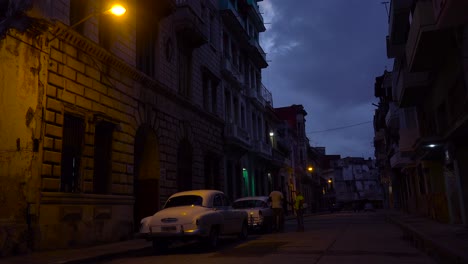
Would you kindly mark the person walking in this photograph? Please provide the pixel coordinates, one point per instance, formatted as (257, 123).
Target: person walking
(299, 208)
(276, 198)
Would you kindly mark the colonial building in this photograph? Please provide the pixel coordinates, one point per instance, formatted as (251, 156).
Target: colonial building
(295, 173)
(426, 117)
(356, 182)
(107, 116)
(248, 146)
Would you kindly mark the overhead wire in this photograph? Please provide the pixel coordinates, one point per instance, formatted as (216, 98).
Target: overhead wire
(338, 128)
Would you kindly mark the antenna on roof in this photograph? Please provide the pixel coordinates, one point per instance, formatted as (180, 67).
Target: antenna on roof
(386, 7)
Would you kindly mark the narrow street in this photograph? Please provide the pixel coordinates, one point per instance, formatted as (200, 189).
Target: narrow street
(343, 237)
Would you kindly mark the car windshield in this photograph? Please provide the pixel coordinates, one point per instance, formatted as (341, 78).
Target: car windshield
(247, 204)
(184, 200)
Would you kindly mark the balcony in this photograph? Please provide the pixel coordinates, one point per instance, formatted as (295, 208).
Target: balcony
(379, 135)
(450, 13)
(425, 43)
(398, 27)
(267, 96)
(231, 72)
(409, 87)
(233, 19)
(392, 118)
(188, 25)
(261, 97)
(263, 148)
(237, 135)
(257, 54)
(254, 12)
(400, 160)
(408, 138)
(161, 8)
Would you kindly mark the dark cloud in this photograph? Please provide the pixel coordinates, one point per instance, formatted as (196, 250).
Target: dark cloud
(325, 54)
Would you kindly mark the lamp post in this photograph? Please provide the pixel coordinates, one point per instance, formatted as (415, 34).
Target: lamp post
(115, 9)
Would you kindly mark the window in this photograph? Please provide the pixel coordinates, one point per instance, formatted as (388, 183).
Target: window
(212, 34)
(102, 180)
(206, 92)
(72, 144)
(236, 110)
(242, 116)
(214, 97)
(184, 72)
(78, 11)
(210, 93)
(146, 40)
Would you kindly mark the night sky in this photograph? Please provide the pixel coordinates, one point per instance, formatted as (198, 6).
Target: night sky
(325, 55)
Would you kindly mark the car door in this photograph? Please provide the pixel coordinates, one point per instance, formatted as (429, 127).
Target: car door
(218, 205)
(235, 216)
(221, 203)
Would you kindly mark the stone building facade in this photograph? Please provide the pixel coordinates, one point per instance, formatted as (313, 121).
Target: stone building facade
(104, 117)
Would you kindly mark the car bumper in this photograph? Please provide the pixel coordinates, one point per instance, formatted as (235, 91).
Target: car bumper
(179, 233)
(255, 222)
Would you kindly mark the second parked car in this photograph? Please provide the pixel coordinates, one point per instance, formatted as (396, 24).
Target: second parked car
(259, 212)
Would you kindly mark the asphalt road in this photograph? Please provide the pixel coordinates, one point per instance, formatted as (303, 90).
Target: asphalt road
(342, 237)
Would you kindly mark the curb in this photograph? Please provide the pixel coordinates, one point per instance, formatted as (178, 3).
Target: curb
(103, 257)
(441, 253)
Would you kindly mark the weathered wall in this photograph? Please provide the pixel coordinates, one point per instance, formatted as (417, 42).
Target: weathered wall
(20, 104)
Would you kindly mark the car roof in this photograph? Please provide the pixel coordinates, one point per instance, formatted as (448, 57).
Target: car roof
(202, 193)
(262, 198)
(207, 195)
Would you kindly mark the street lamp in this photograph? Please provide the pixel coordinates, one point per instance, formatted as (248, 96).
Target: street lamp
(115, 9)
(310, 168)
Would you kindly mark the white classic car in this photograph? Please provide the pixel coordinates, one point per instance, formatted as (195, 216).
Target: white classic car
(259, 211)
(198, 214)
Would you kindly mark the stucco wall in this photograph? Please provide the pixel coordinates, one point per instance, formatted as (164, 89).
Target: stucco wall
(20, 104)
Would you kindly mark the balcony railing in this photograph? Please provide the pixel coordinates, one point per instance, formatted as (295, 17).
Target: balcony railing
(267, 97)
(262, 96)
(233, 17)
(409, 86)
(254, 43)
(262, 147)
(188, 23)
(400, 160)
(408, 137)
(255, 13)
(237, 132)
(391, 119)
(423, 23)
(450, 13)
(232, 71)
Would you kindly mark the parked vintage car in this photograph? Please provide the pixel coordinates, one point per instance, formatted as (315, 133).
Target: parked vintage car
(259, 211)
(194, 215)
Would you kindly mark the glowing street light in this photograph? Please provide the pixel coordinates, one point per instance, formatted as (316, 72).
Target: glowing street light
(310, 168)
(117, 10)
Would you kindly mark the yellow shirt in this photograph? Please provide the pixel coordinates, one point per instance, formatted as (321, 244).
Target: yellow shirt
(299, 202)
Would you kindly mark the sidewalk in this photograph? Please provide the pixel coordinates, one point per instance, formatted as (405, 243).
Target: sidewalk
(447, 243)
(444, 242)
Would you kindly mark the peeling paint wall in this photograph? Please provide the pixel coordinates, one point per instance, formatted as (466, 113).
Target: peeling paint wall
(20, 105)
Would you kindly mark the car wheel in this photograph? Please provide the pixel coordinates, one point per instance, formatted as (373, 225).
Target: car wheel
(213, 238)
(160, 246)
(244, 231)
